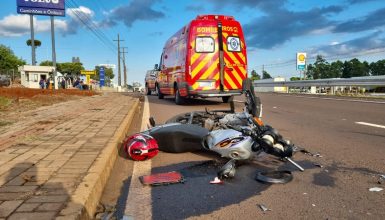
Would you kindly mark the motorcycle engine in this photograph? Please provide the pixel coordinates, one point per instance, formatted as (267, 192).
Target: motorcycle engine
(229, 143)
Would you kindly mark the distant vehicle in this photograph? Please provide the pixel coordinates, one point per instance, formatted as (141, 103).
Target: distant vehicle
(4, 80)
(150, 80)
(206, 58)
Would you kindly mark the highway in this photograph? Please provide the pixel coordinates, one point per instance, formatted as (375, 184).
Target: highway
(349, 134)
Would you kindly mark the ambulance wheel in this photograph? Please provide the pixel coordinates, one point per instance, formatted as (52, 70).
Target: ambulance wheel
(226, 99)
(179, 100)
(160, 95)
(148, 91)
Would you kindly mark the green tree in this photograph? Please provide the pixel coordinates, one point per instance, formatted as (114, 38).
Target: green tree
(355, 68)
(347, 70)
(336, 69)
(377, 68)
(8, 59)
(46, 63)
(70, 68)
(309, 71)
(358, 68)
(108, 74)
(255, 75)
(321, 68)
(295, 78)
(265, 75)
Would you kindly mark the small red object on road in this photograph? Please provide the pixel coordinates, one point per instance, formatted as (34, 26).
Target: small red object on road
(162, 179)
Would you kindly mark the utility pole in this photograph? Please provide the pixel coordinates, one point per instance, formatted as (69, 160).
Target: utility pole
(263, 70)
(55, 81)
(124, 66)
(32, 40)
(119, 73)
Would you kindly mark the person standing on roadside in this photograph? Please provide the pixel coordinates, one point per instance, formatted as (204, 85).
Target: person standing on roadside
(42, 83)
(48, 84)
(63, 83)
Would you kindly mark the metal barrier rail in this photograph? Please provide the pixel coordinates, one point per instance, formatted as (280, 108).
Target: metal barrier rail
(356, 81)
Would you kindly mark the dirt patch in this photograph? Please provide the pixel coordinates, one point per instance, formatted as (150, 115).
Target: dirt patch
(14, 101)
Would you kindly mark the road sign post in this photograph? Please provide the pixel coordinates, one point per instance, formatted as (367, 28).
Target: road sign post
(101, 76)
(301, 63)
(49, 8)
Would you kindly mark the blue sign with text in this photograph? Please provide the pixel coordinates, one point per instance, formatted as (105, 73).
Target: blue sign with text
(41, 7)
(101, 76)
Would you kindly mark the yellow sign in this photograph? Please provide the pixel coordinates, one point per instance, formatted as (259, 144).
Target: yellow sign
(87, 72)
(87, 79)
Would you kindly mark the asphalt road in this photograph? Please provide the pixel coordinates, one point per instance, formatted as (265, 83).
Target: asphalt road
(347, 133)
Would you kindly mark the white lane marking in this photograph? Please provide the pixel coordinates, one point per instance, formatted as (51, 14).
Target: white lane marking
(337, 99)
(239, 101)
(138, 204)
(370, 124)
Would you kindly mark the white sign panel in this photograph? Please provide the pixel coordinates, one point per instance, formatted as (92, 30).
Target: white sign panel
(301, 61)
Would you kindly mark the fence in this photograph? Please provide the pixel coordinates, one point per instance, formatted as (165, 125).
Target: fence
(10, 73)
(360, 82)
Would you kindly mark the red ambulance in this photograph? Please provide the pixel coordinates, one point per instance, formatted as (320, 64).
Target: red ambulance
(206, 58)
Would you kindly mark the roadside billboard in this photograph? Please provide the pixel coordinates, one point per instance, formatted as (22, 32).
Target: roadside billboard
(301, 61)
(41, 7)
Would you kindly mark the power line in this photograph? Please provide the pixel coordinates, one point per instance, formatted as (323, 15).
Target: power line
(99, 34)
(336, 57)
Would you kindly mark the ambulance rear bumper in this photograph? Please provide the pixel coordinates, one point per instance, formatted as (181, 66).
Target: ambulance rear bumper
(216, 93)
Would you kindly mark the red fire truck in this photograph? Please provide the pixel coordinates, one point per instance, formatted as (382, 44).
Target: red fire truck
(206, 58)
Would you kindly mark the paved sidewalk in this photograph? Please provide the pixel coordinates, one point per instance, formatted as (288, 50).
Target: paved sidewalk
(55, 162)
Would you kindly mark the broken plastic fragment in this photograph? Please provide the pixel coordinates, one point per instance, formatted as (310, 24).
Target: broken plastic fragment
(216, 181)
(318, 165)
(376, 189)
(264, 208)
(162, 178)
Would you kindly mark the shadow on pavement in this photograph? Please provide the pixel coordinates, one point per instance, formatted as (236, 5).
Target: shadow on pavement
(188, 102)
(197, 196)
(37, 196)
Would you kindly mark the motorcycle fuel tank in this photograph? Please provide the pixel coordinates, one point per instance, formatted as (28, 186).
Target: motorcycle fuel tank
(229, 143)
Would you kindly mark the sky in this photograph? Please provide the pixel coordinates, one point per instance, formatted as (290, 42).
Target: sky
(275, 30)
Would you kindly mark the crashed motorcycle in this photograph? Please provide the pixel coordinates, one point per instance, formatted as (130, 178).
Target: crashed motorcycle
(234, 135)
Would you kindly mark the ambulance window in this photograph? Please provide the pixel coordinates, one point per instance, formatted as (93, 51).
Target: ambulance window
(204, 45)
(233, 44)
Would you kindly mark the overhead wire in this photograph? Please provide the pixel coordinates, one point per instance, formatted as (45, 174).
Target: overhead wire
(100, 6)
(331, 58)
(90, 25)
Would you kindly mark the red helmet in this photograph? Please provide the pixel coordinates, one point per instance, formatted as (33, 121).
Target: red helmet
(141, 147)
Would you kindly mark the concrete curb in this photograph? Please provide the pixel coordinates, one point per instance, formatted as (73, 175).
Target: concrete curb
(85, 199)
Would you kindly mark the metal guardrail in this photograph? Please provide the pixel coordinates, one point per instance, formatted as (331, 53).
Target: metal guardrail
(356, 81)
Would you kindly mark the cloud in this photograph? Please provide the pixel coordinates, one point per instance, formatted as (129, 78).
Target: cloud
(195, 8)
(156, 34)
(19, 25)
(281, 25)
(369, 22)
(371, 42)
(260, 4)
(137, 10)
(360, 1)
(79, 17)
